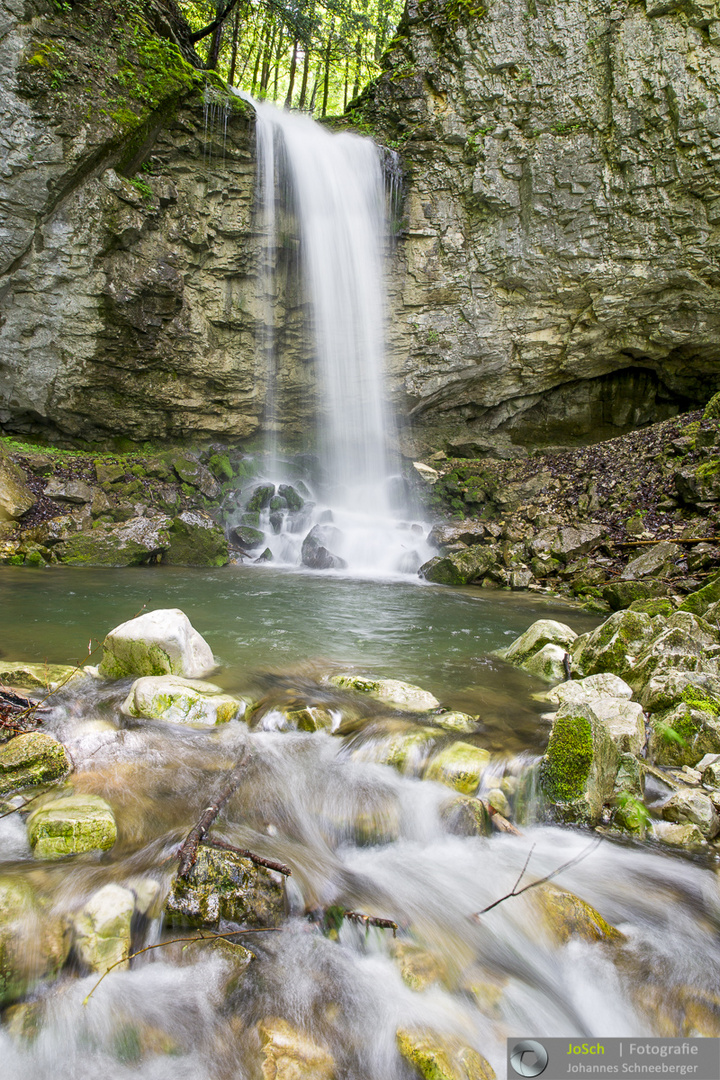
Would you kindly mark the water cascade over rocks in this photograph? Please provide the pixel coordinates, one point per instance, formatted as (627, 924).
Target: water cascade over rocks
(353, 513)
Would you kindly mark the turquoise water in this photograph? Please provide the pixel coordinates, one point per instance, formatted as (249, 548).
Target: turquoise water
(260, 621)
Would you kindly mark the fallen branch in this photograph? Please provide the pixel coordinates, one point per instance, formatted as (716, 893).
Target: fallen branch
(188, 851)
(499, 822)
(662, 539)
(541, 881)
(372, 920)
(174, 941)
(279, 867)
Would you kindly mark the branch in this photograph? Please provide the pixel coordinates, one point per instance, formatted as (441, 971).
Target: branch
(541, 881)
(371, 920)
(212, 27)
(279, 867)
(188, 851)
(173, 941)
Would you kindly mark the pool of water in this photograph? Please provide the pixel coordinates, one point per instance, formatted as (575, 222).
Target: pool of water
(262, 621)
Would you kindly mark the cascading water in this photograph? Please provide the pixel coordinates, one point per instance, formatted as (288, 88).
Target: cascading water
(356, 509)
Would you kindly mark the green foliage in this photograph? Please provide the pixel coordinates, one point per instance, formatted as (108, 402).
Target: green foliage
(143, 187)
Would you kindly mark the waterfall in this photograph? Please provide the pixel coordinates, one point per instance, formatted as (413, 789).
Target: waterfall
(335, 186)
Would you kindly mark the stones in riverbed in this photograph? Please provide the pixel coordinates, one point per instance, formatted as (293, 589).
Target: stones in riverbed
(196, 540)
(442, 1057)
(541, 649)
(316, 552)
(31, 759)
(132, 543)
(35, 676)
(180, 701)
(566, 916)
(161, 642)
(102, 928)
(687, 807)
(16, 498)
(71, 825)
(292, 1055)
(577, 772)
(459, 765)
(466, 816)
(608, 696)
(33, 944)
(401, 694)
(222, 885)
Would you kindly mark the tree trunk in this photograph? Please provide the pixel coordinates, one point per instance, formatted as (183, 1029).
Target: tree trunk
(269, 49)
(233, 54)
(278, 54)
(306, 71)
(314, 91)
(326, 83)
(358, 62)
(215, 42)
(293, 67)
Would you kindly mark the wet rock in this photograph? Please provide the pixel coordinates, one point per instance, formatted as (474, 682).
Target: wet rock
(316, 551)
(196, 540)
(180, 701)
(109, 472)
(161, 642)
(222, 885)
(403, 695)
(689, 807)
(31, 759)
(441, 571)
(614, 645)
(677, 835)
(310, 718)
(670, 688)
(265, 556)
(569, 543)
(460, 766)
(16, 497)
(192, 472)
(603, 685)
(459, 722)
(130, 543)
(466, 816)
(419, 967)
(672, 649)
(71, 825)
(405, 751)
(261, 496)
(566, 916)
(541, 633)
(577, 772)
(657, 561)
(289, 1054)
(548, 664)
(76, 492)
(623, 594)
(468, 533)
(683, 735)
(33, 944)
(426, 472)
(442, 1057)
(292, 498)
(35, 676)
(102, 928)
(247, 538)
(698, 602)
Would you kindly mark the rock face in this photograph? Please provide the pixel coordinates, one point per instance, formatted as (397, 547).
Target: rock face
(563, 198)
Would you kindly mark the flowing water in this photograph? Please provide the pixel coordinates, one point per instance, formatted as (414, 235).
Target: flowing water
(333, 187)
(354, 832)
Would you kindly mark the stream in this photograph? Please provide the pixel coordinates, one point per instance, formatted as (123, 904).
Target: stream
(354, 832)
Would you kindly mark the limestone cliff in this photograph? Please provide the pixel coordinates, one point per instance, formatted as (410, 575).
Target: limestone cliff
(559, 270)
(127, 285)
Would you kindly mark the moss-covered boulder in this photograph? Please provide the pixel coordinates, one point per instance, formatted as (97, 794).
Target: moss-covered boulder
(418, 966)
(536, 637)
(102, 928)
(669, 688)
(289, 1054)
(247, 537)
(222, 885)
(35, 676)
(33, 943)
(180, 701)
(311, 718)
(261, 496)
(614, 645)
(594, 686)
(466, 816)
(672, 649)
(130, 543)
(689, 806)
(192, 472)
(441, 1057)
(460, 766)
(460, 722)
(401, 694)
(547, 664)
(566, 916)
(684, 734)
(622, 594)
(31, 759)
(577, 772)
(698, 602)
(196, 540)
(441, 570)
(71, 825)
(161, 642)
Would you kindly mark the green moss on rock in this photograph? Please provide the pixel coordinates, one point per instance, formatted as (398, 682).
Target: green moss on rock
(70, 826)
(225, 886)
(31, 759)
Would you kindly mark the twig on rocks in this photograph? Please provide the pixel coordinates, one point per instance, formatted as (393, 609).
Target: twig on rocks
(541, 881)
(188, 850)
(499, 822)
(174, 941)
(279, 867)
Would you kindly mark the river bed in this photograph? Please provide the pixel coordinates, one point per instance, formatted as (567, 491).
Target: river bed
(355, 833)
